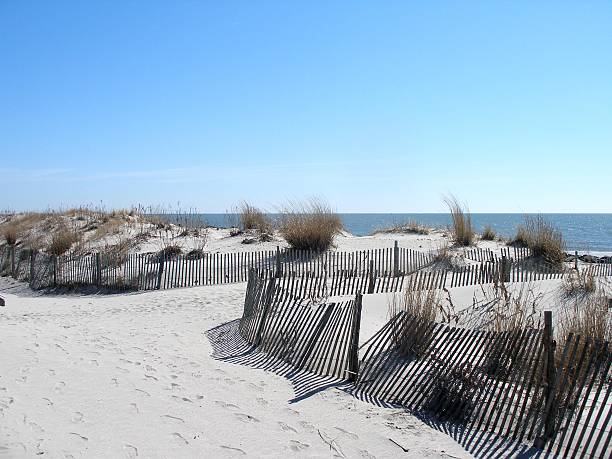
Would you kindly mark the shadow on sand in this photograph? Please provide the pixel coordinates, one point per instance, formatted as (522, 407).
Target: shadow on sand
(229, 346)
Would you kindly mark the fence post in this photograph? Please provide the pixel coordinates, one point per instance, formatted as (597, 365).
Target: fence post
(160, 271)
(576, 260)
(505, 269)
(353, 362)
(279, 266)
(98, 270)
(13, 261)
(550, 372)
(395, 259)
(371, 278)
(54, 262)
(32, 259)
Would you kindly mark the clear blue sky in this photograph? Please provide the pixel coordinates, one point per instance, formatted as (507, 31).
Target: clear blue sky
(378, 106)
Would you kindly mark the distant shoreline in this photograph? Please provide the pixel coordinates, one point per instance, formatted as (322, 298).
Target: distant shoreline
(585, 232)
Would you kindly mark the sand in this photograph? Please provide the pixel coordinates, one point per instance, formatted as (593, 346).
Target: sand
(131, 375)
(128, 375)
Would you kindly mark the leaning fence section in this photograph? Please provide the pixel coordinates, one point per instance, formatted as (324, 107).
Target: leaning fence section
(512, 383)
(517, 384)
(580, 410)
(474, 377)
(311, 336)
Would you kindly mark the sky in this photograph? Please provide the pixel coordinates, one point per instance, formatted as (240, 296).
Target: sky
(375, 106)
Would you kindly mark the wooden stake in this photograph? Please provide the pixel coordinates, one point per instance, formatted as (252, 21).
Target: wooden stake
(354, 342)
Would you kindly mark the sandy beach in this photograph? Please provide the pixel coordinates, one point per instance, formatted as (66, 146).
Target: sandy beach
(132, 375)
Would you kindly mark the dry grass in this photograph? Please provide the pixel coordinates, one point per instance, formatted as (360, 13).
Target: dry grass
(498, 309)
(463, 234)
(169, 252)
(514, 310)
(61, 241)
(544, 240)
(448, 260)
(488, 234)
(11, 233)
(309, 225)
(589, 318)
(579, 283)
(422, 308)
(253, 218)
(424, 304)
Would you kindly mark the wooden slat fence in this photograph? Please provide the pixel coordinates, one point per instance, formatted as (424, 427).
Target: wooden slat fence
(581, 408)
(344, 273)
(496, 382)
(474, 377)
(309, 336)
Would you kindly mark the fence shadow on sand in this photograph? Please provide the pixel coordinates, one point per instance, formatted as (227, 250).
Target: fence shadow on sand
(229, 346)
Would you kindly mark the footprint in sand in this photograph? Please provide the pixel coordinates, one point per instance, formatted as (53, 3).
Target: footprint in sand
(286, 427)
(36, 428)
(59, 387)
(246, 417)
(236, 450)
(77, 435)
(77, 417)
(348, 434)
(130, 451)
(297, 446)
(307, 426)
(228, 406)
(172, 418)
(115, 382)
(6, 401)
(177, 436)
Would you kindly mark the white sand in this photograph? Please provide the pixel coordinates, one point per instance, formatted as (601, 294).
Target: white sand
(116, 376)
(120, 375)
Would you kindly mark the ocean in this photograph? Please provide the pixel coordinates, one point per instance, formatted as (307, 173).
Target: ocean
(583, 232)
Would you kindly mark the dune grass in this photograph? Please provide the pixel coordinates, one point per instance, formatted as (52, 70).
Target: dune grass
(579, 283)
(463, 233)
(542, 237)
(589, 318)
(309, 225)
(253, 218)
(10, 234)
(61, 241)
(424, 304)
(488, 234)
